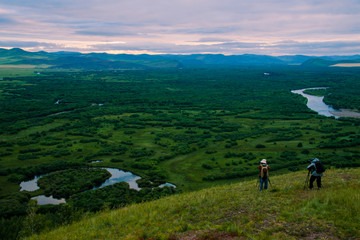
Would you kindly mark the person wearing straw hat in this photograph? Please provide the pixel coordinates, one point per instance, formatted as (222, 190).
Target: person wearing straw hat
(263, 174)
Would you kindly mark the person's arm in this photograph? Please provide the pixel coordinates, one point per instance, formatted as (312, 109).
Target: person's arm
(312, 165)
(259, 170)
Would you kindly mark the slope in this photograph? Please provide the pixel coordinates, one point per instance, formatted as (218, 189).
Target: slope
(319, 62)
(236, 211)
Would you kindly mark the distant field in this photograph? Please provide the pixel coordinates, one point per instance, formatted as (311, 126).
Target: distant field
(12, 71)
(26, 66)
(23, 70)
(346, 65)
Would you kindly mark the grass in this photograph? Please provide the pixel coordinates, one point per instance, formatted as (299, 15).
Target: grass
(235, 211)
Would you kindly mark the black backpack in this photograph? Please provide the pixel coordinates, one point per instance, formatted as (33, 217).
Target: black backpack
(320, 168)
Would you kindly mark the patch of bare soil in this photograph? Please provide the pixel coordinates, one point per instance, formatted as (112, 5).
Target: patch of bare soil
(204, 235)
(345, 176)
(319, 236)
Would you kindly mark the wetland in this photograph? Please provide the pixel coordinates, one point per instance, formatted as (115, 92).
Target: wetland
(191, 127)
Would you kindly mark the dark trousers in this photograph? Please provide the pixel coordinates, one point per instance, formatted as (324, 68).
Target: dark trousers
(318, 181)
(263, 181)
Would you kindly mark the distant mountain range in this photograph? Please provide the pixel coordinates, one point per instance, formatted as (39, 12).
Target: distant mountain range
(102, 61)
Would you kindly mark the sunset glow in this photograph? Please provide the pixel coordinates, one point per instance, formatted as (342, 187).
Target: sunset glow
(272, 27)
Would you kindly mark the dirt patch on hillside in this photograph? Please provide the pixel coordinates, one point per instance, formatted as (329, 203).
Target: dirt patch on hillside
(319, 236)
(204, 235)
(346, 177)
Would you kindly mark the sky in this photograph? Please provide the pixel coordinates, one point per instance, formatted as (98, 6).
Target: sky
(230, 27)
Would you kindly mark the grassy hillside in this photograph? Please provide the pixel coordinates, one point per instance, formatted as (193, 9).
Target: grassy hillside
(236, 211)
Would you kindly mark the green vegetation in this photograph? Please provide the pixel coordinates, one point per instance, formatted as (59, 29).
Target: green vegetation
(285, 211)
(63, 184)
(316, 92)
(115, 196)
(193, 127)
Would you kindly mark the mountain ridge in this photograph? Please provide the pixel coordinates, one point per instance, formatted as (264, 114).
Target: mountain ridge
(98, 61)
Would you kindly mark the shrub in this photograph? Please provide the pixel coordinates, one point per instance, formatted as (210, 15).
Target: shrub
(206, 166)
(116, 160)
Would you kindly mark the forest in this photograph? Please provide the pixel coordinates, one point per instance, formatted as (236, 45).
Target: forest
(192, 127)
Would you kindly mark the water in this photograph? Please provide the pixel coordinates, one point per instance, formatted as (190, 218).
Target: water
(316, 103)
(117, 176)
(42, 200)
(30, 185)
(167, 185)
(96, 161)
(120, 176)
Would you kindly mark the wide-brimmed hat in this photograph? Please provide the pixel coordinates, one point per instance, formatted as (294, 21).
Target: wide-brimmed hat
(263, 161)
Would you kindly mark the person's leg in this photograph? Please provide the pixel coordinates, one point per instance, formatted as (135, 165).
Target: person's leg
(266, 183)
(312, 179)
(261, 183)
(318, 182)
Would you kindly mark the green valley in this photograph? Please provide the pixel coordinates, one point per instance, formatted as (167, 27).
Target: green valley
(194, 127)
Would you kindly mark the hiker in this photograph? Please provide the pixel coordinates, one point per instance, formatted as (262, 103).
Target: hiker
(263, 174)
(316, 168)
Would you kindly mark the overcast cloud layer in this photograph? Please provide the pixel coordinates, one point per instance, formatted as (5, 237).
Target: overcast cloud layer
(272, 27)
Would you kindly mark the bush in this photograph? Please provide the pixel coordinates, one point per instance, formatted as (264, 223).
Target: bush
(14, 204)
(305, 151)
(116, 160)
(260, 146)
(206, 166)
(67, 182)
(141, 153)
(141, 165)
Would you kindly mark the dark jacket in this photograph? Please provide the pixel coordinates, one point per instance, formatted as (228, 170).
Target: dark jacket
(312, 168)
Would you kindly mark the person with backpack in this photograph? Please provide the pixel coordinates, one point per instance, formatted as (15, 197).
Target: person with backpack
(316, 168)
(263, 174)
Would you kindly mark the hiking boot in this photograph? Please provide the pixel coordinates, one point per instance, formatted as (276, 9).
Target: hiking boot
(310, 189)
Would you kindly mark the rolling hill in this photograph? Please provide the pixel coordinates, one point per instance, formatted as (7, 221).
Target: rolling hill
(104, 61)
(235, 211)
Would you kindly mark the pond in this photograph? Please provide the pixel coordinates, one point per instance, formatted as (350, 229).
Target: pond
(117, 176)
(317, 104)
(42, 200)
(30, 185)
(120, 176)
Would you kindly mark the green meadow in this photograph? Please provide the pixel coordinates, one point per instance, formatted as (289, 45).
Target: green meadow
(194, 127)
(234, 211)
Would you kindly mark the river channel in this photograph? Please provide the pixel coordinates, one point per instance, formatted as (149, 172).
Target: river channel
(117, 176)
(317, 104)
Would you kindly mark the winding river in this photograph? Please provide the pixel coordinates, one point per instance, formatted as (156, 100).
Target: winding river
(316, 103)
(117, 176)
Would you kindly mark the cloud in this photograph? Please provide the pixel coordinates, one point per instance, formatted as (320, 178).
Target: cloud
(104, 33)
(213, 39)
(5, 20)
(185, 26)
(27, 45)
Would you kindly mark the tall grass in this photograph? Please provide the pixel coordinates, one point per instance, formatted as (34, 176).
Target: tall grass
(285, 211)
